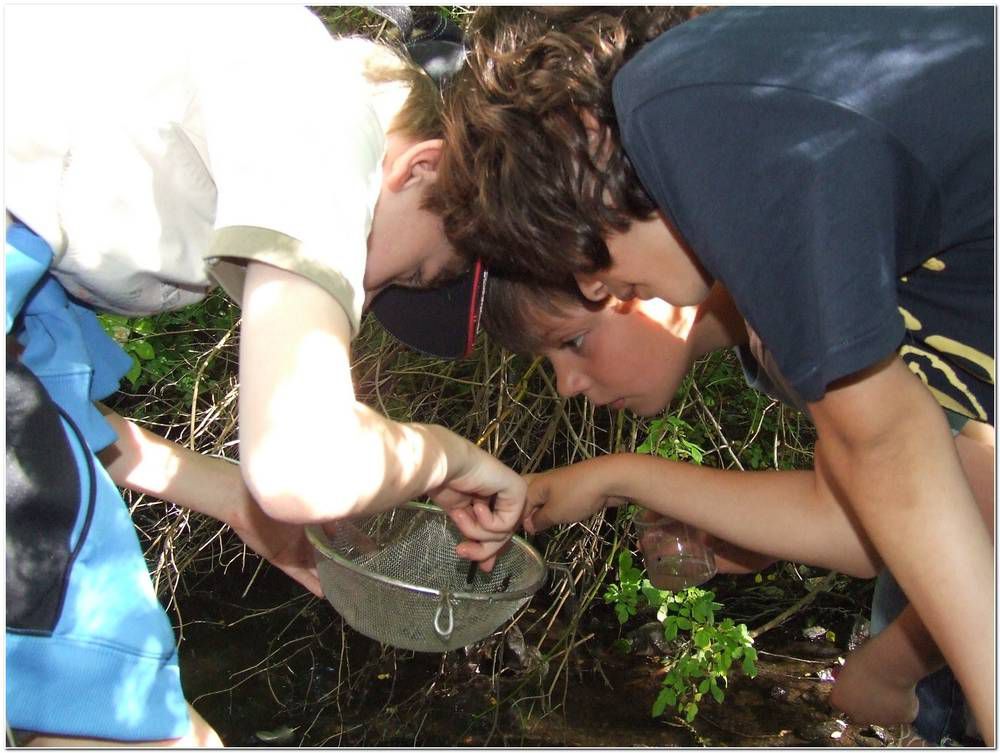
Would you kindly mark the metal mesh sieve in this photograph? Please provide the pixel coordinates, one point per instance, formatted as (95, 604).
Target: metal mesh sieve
(395, 577)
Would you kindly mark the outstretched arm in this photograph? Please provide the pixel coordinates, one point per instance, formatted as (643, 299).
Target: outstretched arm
(310, 452)
(148, 463)
(788, 515)
(887, 451)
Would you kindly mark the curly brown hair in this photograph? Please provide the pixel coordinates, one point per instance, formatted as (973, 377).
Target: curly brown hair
(523, 182)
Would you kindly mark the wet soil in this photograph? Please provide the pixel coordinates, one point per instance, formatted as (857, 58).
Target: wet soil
(275, 666)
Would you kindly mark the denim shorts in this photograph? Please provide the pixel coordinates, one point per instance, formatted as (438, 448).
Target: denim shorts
(90, 651)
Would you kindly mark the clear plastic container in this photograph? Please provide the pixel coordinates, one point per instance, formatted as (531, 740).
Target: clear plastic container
(675, 558)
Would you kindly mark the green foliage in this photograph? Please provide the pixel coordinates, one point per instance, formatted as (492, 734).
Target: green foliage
(671, 437)
(166, 346)
(624, 595)
(703, 651)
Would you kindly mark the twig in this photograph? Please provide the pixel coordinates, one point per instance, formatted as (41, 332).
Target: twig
(797, 606)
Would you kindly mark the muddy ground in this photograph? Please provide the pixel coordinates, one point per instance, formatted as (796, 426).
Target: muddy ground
(275, 666)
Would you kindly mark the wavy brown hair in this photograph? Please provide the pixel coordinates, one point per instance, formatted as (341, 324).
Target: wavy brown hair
(513, 305)
(523, 183)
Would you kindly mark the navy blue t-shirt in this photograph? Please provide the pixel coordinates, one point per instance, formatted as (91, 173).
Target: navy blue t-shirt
(833, 167)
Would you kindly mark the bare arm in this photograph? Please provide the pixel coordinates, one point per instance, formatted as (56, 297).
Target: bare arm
(788, 515)
(147, 463)
(887, 451)
(311, 452)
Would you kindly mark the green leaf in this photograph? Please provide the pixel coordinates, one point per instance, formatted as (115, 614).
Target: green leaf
(695, 451)
(142, 349)
(670, 695)
(717, 693)
(132, 375)
(625, 561)
(622, 646)
(670, 628)
(653, 595)
(144, 326)
(664, 698)
(692, 711)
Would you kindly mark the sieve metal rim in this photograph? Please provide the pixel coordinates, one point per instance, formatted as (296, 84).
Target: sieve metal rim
(318, 538)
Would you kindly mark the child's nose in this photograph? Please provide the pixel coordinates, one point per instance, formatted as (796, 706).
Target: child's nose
(570, 382)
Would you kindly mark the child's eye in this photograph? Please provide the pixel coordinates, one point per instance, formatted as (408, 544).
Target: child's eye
(575, 344)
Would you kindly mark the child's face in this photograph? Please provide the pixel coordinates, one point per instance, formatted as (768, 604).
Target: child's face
(629, 354)
(408, 248)
(649, 261)
(407, 245)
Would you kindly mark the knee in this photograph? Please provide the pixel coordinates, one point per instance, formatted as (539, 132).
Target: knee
(202, 734)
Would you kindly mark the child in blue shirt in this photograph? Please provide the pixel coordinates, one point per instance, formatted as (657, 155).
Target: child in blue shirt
(634, 354)
(831, 167)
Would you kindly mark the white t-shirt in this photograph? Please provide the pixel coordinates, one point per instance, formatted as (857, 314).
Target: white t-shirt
(155, 147)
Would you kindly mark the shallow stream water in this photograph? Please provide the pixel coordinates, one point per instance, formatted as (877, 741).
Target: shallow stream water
(278, 667)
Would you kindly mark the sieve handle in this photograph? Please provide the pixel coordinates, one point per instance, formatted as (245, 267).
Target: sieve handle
(445, 603)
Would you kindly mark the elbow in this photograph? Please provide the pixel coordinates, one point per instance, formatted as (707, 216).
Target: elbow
(311, 487)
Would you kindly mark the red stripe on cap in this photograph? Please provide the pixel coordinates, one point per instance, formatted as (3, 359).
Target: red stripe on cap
(474, 307)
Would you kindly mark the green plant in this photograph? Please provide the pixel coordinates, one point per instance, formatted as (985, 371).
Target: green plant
(167, 345)
(709, 651)
(671, 437)
(702, 651)
(624, 595)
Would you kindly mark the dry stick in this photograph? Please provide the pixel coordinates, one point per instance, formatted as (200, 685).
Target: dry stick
(519, 389)
(205, 361)
(523, 418)
(760, 424)
(776, 441)
(571, 631)
(168, 535)
(550, 432)
(703, 409)
(797, 606)
(576, 437)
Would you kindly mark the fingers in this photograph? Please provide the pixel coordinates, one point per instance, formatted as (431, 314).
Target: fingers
(485, 553)
(467, 522)
(496, 518)
(310, 580)
(502, 514)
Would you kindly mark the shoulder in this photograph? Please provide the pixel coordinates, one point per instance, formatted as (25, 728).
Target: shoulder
(836, 53)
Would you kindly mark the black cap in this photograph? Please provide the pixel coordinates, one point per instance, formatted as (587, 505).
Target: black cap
(441, 321)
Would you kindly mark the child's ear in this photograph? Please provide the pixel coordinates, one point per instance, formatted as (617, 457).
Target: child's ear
(592, 288)
(415, 164)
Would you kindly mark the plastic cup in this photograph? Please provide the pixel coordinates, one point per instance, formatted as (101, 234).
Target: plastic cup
(675, 558)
